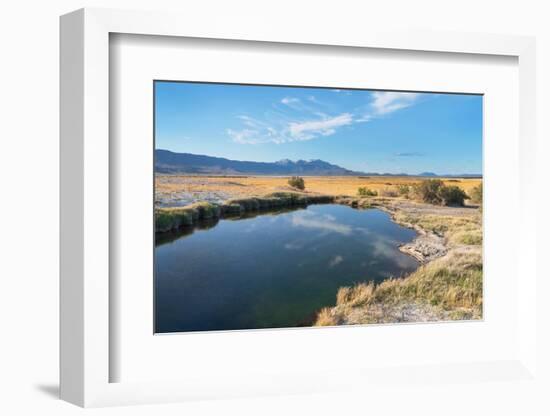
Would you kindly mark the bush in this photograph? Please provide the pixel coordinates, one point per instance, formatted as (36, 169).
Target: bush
(297, 182)
(476, 194)
(429, 191)
(453, 195)
(434, 191)
(364, 191)
(403, 190)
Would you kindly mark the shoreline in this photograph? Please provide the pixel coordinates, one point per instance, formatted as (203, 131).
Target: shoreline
(425, 247)
(447, 285)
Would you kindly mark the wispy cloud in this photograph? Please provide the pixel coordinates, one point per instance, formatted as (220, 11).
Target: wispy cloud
(388, 102)
(290, 101)
(308, 220)
(295, 119)
(296, 104)
(284, 131)
(409, 154)
(307, 130)
(245, 136)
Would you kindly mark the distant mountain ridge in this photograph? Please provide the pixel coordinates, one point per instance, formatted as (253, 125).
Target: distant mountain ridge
(170, 162)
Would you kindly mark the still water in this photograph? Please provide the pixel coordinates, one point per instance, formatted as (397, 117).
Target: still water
(272, 270)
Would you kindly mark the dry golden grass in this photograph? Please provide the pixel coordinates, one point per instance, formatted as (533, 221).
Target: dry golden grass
(239, 187)
(448, 288)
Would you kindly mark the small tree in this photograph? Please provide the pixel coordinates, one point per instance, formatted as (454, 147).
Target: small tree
(453, 195)
(364, 191)
(297, 182)
(429, 190)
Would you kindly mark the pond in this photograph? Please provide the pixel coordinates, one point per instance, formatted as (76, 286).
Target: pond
(272, 270)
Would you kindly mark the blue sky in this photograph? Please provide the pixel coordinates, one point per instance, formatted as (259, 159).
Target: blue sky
(369, 131)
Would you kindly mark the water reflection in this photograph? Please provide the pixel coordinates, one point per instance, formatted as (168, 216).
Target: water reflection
(271, 270)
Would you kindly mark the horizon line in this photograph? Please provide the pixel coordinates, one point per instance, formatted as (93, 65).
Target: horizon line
(426, 173)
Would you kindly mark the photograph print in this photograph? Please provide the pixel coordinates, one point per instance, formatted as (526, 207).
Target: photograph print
(285, 207)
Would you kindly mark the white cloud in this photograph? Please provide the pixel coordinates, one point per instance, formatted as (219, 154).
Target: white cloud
(307, 120)
(335, 261)
(320, 224)
(306, 130)
(283, 131)
(388, 102)
(290, 101)
(364, 119)
(245, 136)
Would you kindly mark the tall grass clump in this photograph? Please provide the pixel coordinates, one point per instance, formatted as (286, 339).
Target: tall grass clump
(450, 287)
(297, 182)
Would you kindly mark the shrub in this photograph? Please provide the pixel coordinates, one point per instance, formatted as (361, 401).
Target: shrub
(434, 191)
(429, 190)
(364, 191)
(453, 195)
(403, 190)
(476, 194)
(297, 182)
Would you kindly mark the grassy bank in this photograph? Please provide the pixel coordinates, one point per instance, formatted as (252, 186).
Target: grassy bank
(447, 288)
(168, 219)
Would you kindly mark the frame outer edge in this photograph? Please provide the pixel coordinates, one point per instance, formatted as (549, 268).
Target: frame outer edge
(71, 202)
(528, 199)
(84, 152)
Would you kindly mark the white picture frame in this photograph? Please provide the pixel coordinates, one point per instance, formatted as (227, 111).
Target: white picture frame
(86, 356)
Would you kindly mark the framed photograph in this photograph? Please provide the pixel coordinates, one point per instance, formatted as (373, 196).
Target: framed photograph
(246, 213)
(355, 222)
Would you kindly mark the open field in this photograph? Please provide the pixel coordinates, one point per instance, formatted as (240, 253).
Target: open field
(179, 190)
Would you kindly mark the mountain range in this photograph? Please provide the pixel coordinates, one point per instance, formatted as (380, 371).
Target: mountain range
(188, 163)
(170, 162)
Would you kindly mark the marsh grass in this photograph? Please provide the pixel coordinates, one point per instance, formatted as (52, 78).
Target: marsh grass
(168, 219)
(450, 288)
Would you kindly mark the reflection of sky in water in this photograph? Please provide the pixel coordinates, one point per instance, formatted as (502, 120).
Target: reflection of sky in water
(310, 219)
(273, 270)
